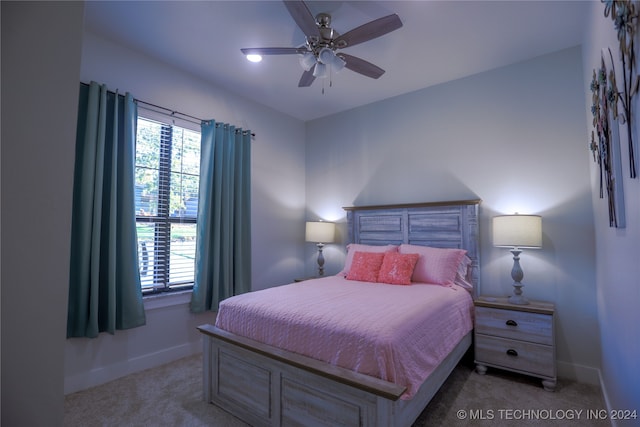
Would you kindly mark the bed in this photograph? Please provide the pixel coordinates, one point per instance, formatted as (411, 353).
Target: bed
(262, 364)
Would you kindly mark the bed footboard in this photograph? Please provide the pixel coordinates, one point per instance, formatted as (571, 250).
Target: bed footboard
(267, 386)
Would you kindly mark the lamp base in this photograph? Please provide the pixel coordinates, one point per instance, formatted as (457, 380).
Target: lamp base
(320, 259)
(517, 297)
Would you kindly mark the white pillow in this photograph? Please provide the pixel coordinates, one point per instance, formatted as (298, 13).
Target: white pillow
(463, 275)
(436, 265)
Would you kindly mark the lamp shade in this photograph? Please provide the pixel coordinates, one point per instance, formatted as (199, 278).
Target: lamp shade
(519, 231)
(338, 63)
(326, 55)
(320, 232)
(307, 60)
(320, 71)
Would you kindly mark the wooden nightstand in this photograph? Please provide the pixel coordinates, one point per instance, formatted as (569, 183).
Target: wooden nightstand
(302, 279)
(518, 338)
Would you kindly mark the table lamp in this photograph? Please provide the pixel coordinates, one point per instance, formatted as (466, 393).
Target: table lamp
(320, 232)
(517, 232)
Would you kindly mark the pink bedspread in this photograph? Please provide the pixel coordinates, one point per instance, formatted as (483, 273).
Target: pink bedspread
(393, 332)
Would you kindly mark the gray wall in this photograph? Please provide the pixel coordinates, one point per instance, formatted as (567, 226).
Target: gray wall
(618, 252)
(513, 137)
(40, 69)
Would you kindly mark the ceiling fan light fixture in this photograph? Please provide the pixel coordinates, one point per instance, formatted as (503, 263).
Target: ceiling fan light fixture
(326, 56)
(254, 57)
(320, 71)
(338, 63)
(307, 60)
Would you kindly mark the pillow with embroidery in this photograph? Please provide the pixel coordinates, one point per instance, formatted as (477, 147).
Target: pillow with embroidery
(365, 266)
(397, 268)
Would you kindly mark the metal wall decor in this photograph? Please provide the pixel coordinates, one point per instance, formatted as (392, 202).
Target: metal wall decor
(625, 18)
(605, 141)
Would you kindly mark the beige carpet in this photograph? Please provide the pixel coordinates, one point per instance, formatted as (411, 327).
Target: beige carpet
(170, 395)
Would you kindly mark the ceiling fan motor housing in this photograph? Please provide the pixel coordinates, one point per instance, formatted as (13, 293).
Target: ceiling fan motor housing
(327, 36)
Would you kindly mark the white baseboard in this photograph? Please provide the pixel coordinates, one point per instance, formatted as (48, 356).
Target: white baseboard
(607, 402)
(105, 374)
(579, 373)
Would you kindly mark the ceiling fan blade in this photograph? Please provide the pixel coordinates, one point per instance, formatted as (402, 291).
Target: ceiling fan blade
(361, 66)
(369, 31)
(303, 17)
(307, 78)
(273, 50)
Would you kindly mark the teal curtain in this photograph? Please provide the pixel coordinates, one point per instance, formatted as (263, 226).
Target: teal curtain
(104, 284)
(223, 237)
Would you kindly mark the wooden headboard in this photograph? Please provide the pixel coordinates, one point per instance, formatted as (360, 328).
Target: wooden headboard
(440, 224)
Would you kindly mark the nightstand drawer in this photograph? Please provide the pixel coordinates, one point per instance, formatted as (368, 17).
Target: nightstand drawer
(534, 327)
(519, 355)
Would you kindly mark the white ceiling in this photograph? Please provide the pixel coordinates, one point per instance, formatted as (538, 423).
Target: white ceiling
(439, 41)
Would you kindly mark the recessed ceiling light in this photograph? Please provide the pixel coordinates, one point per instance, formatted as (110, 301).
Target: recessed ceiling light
(254, 58)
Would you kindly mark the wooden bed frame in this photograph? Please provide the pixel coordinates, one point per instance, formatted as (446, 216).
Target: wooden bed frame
(267, 386)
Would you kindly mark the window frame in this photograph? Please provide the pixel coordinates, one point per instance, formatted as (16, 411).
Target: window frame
(163, 220)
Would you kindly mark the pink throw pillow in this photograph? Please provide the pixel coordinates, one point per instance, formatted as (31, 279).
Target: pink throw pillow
(352, 248)
(397, 268)
(436, 265)
(365, 266)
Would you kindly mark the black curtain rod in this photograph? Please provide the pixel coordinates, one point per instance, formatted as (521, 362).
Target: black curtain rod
(173, 112)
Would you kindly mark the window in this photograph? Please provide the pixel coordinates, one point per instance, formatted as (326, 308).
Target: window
(166, 200)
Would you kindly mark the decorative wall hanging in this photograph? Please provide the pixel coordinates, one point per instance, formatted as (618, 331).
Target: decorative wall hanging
(614, 136)
(605, 141)
(625, 19)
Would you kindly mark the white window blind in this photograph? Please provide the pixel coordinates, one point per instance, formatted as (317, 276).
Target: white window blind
(166, 200)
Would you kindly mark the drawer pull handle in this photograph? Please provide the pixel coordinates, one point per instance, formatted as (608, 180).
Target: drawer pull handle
(512, 323)
(512, 352)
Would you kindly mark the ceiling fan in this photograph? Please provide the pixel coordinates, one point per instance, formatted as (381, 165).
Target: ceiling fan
(323, 42)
